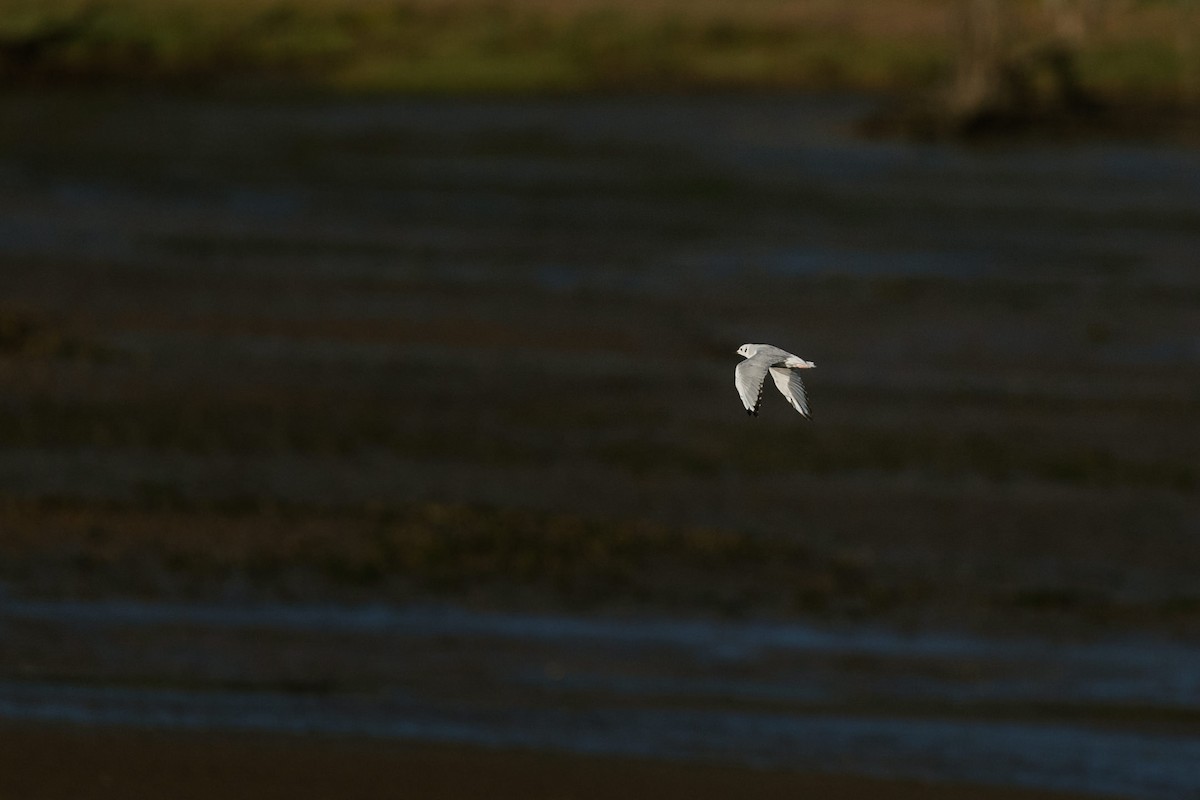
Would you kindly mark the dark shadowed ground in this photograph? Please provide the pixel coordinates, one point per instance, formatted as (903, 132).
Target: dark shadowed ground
(414, 420)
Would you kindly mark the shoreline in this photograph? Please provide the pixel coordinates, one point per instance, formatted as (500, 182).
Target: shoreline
(43, 762)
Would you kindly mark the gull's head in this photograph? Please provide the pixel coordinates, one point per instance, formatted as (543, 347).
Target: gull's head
(747, 350)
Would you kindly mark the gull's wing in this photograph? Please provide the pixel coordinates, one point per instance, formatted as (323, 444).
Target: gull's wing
(750, 376)
(791, 387)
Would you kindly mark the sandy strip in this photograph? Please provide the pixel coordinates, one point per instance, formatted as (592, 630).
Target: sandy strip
(40, 762)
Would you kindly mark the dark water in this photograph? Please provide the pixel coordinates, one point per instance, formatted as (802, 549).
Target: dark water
(534, 304)
(866, 701)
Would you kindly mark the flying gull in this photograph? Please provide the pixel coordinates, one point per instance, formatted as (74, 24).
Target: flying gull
(751, 376)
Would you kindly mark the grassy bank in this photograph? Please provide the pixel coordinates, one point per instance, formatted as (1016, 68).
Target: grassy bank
(452, 46)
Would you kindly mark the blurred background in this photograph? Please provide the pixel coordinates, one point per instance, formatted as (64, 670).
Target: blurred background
(367, 415)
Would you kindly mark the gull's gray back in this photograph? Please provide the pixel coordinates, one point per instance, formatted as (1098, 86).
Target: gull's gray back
(771, 354)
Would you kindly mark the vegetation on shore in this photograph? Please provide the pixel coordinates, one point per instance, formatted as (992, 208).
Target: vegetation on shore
(1145, 50)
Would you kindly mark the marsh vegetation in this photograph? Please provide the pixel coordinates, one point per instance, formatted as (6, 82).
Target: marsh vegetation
(1129, 51)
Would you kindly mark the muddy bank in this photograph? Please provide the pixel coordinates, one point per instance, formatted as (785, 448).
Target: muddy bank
(188, 765)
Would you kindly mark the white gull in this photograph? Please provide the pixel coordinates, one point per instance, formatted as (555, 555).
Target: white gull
(751, 376)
